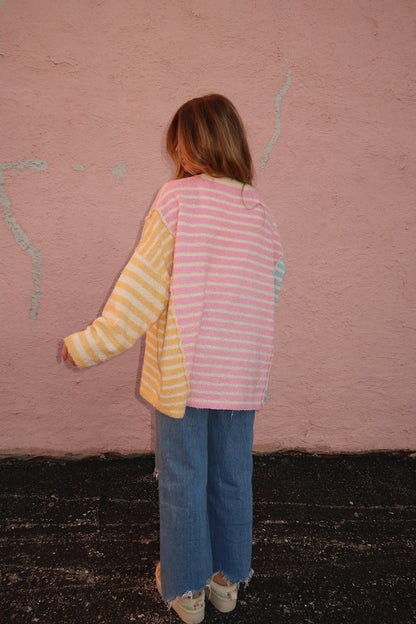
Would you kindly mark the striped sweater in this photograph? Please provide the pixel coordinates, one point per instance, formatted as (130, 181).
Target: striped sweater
(203, 283)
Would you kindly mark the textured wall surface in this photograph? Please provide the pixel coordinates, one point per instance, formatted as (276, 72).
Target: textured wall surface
(328, 94)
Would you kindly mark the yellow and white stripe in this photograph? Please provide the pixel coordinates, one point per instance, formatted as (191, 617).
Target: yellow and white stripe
(140, 303)
(164, 382)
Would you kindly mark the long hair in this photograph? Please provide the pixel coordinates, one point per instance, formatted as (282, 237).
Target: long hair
(210, 136)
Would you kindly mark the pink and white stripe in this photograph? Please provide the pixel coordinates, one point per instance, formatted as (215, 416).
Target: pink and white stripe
(222, 287)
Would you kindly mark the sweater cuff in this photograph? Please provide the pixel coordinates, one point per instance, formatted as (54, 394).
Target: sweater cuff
(74, 353)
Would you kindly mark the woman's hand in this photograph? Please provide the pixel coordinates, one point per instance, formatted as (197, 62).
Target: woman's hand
(65, 355)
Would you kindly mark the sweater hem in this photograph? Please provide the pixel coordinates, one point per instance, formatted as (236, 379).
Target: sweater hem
(224, 406)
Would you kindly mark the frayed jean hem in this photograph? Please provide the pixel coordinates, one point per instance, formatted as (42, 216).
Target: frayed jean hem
(187, 595)
(245, 581)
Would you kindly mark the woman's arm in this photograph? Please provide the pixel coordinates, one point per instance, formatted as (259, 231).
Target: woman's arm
(139, 297)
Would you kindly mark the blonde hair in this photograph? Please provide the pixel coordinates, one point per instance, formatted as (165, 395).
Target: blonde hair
(210, 135)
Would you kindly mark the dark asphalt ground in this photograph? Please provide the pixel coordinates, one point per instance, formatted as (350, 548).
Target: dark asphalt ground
(334, 542)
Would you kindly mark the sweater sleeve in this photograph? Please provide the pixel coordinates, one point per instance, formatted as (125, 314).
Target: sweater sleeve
(139, 297)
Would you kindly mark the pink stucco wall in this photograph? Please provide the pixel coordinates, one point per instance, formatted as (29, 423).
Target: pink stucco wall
(87, 89)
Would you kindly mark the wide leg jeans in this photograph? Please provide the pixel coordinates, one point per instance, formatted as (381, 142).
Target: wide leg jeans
(204, 466)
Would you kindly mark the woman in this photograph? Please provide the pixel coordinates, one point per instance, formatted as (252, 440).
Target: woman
(203, 283)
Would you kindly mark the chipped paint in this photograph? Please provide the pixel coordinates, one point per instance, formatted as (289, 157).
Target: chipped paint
(18, 233)
(80, 167)
(276, 134)
(119, 171)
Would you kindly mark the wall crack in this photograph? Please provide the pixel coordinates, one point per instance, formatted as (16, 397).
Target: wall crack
(17, 231)
(278, 123)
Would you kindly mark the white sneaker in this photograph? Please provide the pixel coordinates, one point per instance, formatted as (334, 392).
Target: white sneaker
(223, 597)
(190, 610)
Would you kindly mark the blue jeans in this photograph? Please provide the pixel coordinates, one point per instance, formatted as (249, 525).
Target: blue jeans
(204, 467)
